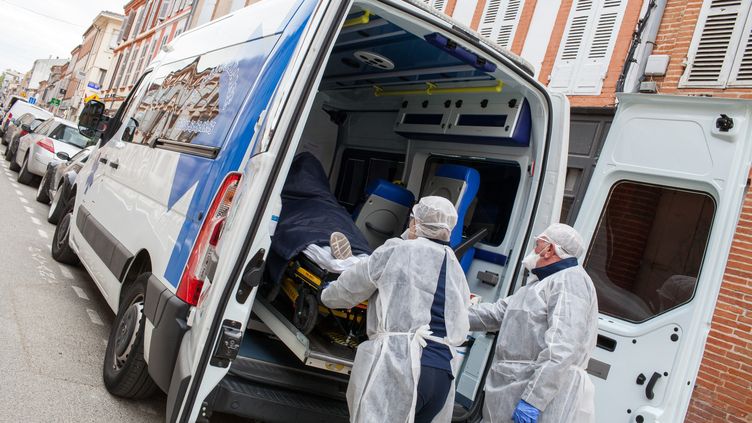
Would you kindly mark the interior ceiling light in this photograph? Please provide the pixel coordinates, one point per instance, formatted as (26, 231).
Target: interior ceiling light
(373, 59)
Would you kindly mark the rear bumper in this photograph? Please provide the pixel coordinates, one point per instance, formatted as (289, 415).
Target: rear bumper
(266, 382)
(39, 161)
(238, 396)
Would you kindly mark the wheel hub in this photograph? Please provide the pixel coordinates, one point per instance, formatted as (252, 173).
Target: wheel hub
(127, 332)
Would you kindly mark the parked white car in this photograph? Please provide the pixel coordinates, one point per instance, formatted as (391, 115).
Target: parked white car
(54, 140)
(19, 108)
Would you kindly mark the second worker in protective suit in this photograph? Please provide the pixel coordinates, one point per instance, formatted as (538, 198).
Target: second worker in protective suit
(418, 302)
(547, 330)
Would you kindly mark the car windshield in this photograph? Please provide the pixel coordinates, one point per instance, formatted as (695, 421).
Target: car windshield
(73, 137)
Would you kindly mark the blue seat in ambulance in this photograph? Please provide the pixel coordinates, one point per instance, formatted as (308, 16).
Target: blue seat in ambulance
(385, 211)
(458, 184)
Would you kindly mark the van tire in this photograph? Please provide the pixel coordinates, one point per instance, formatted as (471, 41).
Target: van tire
(59, 203)
(13, 165)
(24, 176)
(127, 374)
(43, 190)
(61, 250)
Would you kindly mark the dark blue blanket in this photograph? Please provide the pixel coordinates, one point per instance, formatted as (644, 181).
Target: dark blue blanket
(310, 213)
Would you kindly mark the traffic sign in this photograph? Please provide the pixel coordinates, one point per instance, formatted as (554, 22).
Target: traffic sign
(94, 86)
(32, 100)
(55, 101)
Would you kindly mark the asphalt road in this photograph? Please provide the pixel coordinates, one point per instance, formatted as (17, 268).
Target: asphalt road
(54, 326)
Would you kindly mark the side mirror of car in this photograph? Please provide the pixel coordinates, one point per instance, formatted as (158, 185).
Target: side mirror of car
(91, 120)
(62, 155)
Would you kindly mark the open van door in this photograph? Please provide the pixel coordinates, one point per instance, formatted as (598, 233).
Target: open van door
(659, 216)
(219, 321)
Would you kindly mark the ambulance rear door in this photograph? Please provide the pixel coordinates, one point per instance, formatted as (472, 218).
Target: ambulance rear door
(659, 216)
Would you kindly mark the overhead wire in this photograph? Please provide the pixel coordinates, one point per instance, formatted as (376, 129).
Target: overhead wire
(42, 14)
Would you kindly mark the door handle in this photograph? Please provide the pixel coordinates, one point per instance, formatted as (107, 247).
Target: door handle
(251, 276)
(114, 165)
(103, 160)
(651, 384)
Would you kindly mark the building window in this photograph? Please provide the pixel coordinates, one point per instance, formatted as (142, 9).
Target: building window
(721, 51)
(439, 5)
(137, 28)
(123, 65)
(499, 21)
(132, 60)
(163, 11)
(586, 47)
(647, 251)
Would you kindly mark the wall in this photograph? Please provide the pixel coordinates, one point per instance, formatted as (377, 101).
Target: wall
(723, 390)
(674, 38)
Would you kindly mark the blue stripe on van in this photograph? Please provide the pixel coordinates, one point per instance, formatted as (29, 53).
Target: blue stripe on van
(192, 169)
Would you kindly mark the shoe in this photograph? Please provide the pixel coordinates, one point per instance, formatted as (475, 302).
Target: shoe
(340, 246)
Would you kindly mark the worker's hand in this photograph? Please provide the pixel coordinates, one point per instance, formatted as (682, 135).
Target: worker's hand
(525, 413)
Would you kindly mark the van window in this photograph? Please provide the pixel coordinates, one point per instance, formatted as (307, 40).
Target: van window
(647, 251)
(496, 194)
(361, 167)
(186, 101)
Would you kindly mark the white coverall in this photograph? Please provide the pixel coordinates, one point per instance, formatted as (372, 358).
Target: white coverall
(399, 281)
(547, 330)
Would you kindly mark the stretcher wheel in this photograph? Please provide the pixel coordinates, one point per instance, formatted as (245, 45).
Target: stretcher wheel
(306, 313)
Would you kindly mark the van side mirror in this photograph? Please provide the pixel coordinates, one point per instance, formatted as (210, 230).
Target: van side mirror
(91, 120)
(62, 155)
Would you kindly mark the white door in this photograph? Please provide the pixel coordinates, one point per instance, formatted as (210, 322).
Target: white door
(659, 216)
(219, 319)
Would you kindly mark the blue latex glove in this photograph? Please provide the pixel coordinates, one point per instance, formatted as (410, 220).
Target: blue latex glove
(525, 413)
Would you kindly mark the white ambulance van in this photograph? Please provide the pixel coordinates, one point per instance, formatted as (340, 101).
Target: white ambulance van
(175, 214)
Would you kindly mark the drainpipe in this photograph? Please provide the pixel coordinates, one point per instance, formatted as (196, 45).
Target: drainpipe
(643, 41)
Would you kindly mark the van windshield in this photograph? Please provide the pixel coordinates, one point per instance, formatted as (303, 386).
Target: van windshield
(70, 135)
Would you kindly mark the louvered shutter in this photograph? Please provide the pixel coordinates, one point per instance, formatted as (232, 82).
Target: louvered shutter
(741, 71)
(500, 19)
(572, 49)
(714, 44)
(597, 55)
(587, 46)
(439, 5)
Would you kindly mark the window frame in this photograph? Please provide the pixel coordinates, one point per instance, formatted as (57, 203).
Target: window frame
(701, 265)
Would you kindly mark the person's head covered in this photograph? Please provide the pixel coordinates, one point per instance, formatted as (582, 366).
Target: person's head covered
(567, 242)
(434, 218)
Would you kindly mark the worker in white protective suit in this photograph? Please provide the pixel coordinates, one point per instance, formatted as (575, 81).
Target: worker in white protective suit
(418, 302)
(547, 331)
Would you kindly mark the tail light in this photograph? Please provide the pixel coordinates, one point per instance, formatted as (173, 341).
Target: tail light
(47, 145)
(203, 258)
(9, 117)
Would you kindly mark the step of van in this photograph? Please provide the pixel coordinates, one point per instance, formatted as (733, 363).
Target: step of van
(239, 396)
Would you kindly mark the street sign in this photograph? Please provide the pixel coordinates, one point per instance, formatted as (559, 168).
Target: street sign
(55, 101)
(94, 86)
(32, 100)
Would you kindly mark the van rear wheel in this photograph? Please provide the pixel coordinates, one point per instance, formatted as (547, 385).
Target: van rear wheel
(125, 372)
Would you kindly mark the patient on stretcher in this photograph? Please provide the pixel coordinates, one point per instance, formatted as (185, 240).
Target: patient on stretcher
(315, 240)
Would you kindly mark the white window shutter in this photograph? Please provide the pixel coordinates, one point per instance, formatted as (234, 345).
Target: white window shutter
(714, 45)
(571, 49)
(439, 5)
(741, 71)
(594, 64)
(500, 19)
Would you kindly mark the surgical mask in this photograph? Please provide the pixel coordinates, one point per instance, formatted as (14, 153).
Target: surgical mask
(531, 260)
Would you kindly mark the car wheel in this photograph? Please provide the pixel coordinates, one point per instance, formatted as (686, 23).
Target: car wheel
(24, 175)
(12, 158)
(59, 203)
(43, 191)
(61, 250)
(125, 372)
